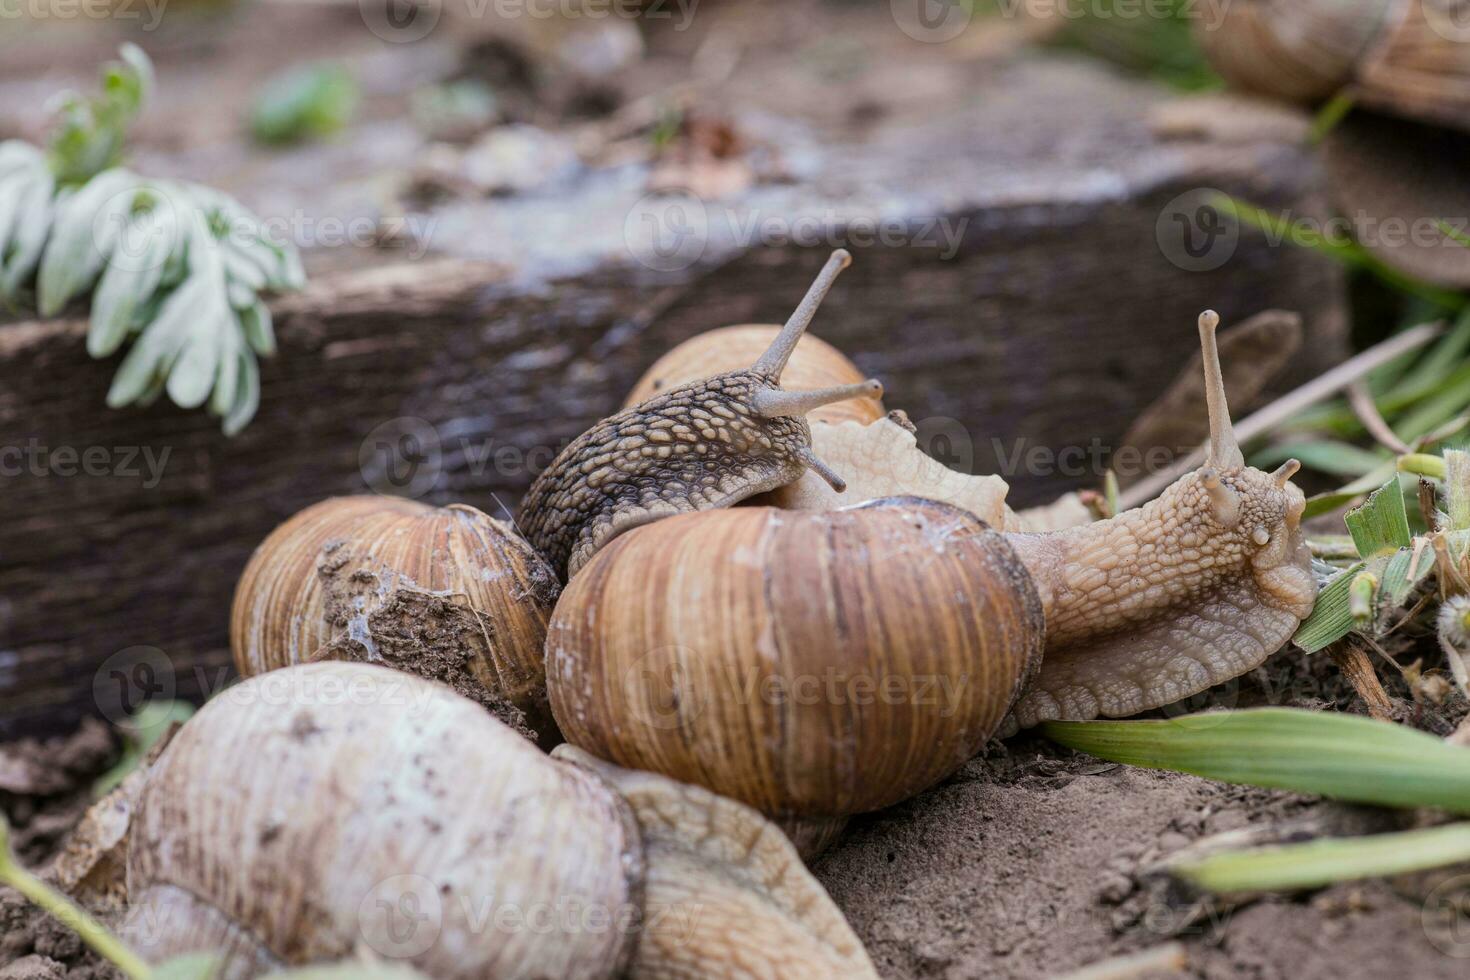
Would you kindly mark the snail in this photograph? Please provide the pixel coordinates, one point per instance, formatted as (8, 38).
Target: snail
(701, 647)
(1394, 166)
(327, 807)
(708, 443)
(445, 592)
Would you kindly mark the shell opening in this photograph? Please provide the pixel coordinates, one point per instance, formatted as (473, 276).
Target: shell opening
(773, 361)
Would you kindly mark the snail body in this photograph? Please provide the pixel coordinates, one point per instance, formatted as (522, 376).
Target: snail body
(446, 592)
(317, 808)
(680, 646)
(706, 444)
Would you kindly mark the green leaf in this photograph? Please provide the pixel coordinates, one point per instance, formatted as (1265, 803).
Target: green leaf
(1454, 234)
(227, 371)
(309, 102)
(190, 966)
(155, 351)
(1449, 401)
(1332, 113)
(1345, 757)
(90, 132)
(1331, 618)
(32, 225)
(1318, 863)
(247, 400)
(1381, 525)
(133, 275)
(86, 228)
(140, 733)
(1457, 488)
(349, 970)
(12, 195)
(19, 156)
(193, 374)
(259, 328)
(1437, 364)
(1326, 455)
(1401, 575)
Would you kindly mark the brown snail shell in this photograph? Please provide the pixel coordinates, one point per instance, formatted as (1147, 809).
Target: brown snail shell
(814, 364)
(448, 593)
(323, 808)
(1406, 57)
(1298, 50)
(812, 664)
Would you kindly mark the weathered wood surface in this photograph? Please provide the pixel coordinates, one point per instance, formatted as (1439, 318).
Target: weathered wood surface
(1054, 322)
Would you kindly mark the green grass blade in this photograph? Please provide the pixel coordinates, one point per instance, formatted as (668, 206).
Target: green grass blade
(1332, 113)
(1317, 863)
(1331, 617)
(1324, 455)
(1398, 583)
(1345, 757)
(1381, 525)
(1457, 487)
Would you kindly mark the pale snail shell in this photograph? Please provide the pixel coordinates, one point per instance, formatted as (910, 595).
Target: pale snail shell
(320, 809)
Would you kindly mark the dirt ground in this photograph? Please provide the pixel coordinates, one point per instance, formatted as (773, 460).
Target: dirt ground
(1029, 862)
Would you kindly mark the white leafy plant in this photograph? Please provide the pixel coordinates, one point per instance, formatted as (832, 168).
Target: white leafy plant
(177, 265)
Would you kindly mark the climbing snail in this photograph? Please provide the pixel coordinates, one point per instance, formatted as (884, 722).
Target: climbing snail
(816, 664)
(448, 593)
(702, 445)
(323, 808)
